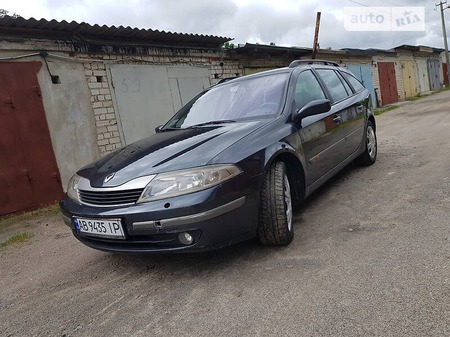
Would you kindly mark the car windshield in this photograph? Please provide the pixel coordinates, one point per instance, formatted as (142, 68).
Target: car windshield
(253, 98)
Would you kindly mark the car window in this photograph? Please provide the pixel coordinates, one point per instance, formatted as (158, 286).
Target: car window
(353, 81)
(348, 88)
(307, 89)
(333, 83)
(255, 97)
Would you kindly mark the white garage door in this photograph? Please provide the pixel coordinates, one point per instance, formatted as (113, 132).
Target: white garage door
(147, 96)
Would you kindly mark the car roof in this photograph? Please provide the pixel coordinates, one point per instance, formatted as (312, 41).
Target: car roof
(297, 63)
(306, 63)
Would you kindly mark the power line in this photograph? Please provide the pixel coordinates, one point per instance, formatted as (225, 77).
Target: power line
(361, 4)
(390, 3)
(358, 3)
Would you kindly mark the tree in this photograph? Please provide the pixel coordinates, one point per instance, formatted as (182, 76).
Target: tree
(4, 12)
(228, 45)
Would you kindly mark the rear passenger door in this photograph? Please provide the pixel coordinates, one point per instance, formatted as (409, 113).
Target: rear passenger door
(348, 113)
(360, 102)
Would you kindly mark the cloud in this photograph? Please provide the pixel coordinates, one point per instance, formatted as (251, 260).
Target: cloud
(283, 22)
(264, 25)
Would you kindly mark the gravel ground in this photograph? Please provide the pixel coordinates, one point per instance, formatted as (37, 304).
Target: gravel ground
(370, 257)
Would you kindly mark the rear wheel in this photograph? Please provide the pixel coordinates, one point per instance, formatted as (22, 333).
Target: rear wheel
(369, 156)
(275, 213)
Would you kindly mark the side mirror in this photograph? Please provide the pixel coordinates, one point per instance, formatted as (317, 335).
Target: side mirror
(312, 108)
(158, 128)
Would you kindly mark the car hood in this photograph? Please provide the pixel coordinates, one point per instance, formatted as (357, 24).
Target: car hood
(166, 151)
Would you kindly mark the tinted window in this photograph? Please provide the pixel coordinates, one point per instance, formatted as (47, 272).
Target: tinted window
(354, 82)
(333, 83)
(307, 89)
(347, 87)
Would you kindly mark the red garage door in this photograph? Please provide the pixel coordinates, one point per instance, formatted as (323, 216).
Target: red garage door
(444, 69)
(388, 82)
(29, 176)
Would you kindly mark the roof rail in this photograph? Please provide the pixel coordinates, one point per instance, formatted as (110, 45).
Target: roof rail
(296, 63)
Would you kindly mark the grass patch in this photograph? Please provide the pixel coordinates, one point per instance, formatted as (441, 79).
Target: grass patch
(447, 87)
(18, 217)
(418, 96)
(16, 239)
(379, 111)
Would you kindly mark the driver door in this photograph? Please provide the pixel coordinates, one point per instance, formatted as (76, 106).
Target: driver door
(318, 133)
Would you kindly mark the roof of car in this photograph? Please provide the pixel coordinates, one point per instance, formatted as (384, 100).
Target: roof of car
(292, 66)
(297, 63)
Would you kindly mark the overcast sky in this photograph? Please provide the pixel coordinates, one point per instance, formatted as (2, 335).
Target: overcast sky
(283, 22)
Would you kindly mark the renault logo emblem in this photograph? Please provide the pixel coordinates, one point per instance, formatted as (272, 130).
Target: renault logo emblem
(109, 177)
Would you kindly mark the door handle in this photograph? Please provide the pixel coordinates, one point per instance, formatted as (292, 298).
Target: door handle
(337, 120)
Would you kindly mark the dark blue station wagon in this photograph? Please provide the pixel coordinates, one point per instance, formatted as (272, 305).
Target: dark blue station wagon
(228, 166)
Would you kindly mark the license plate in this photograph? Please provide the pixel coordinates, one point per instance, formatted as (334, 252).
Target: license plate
(106, 228)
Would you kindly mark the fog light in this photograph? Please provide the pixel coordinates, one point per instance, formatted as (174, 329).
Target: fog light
(185, 238)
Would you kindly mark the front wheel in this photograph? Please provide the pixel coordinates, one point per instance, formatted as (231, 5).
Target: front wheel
(275, 211)
(369, 156)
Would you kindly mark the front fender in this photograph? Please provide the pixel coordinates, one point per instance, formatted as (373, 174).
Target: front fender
(276, 150)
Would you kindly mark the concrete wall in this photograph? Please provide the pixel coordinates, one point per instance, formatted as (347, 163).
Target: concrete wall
(69, 115)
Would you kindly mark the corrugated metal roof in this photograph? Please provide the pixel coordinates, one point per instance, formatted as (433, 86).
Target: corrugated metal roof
(366, 52)
(419, 48)
(73, 31)
(250, 48)
(372, 51)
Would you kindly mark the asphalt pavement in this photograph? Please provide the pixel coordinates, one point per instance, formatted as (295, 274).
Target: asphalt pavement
(370, 257)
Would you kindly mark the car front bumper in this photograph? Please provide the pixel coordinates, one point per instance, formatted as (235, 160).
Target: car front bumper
(214, 218)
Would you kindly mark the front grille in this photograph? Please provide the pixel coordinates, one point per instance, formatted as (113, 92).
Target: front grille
(110, 198)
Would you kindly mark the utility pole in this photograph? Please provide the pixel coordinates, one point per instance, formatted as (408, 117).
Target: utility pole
(316, 36)
(444, 31)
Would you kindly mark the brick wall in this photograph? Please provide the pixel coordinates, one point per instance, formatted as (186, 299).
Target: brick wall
(108, 138)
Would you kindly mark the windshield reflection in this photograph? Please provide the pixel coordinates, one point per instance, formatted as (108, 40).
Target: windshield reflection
(256, 97)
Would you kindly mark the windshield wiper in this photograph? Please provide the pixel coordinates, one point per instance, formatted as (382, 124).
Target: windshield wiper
(224, 121)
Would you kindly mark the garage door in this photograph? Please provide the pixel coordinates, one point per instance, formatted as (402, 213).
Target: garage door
(147, 96)
(422, 76)
(444, 70)
(29, 176)
(364, 74)
(434, 74)
(388, 82)
(409, 79)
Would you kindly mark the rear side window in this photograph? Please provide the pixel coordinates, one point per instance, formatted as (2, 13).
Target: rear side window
(347, 87)
(334, 84)
(353, 81)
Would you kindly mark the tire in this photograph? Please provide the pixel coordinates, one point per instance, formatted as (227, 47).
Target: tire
(369, 156)
(275, 210)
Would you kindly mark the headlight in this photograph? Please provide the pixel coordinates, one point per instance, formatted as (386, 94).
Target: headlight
(175, 183)
(72, 187)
